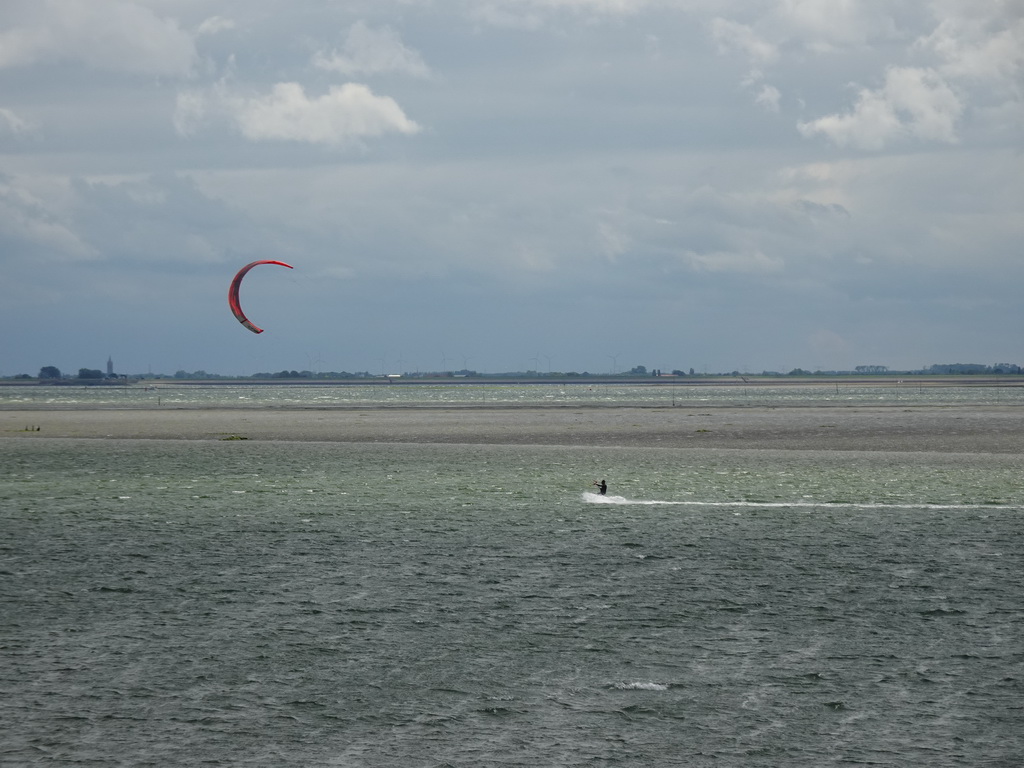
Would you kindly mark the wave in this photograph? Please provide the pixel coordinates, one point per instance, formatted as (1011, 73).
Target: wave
(596, 498)
(639, 686)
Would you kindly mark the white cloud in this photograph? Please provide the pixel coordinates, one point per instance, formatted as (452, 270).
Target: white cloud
(371, 52)
(768, 98)
(826, 26)
(748, 262)
(612, 240)
(346, 112)
(913, 102)
(215, 24)
(12, 124)
(599, 6)
(492, 15)
(534, 14)
(731, 35)
(114, 35)
(611, 7)
(982, 46)
(191, 110)
(940, 59)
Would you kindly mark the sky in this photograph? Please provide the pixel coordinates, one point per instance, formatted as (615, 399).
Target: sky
(511, 185)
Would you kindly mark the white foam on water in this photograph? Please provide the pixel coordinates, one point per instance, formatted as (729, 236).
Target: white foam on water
(640, 686)
(595, 498)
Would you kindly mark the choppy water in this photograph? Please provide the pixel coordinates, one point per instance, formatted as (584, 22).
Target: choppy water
(233, 603)
(168, 393)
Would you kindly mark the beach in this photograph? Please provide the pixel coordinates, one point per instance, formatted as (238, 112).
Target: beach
(946, 429)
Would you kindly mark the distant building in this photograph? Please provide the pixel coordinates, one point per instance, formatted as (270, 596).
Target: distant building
(110, 366)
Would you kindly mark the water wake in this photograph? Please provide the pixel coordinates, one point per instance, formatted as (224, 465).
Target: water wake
(595, 498)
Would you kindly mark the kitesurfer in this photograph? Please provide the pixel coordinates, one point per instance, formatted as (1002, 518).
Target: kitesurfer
(602, 486)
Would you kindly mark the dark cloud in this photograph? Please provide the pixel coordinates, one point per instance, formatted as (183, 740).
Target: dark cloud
(591, 184)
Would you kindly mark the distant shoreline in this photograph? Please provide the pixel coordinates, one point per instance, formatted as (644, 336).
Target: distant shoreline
(724, 380)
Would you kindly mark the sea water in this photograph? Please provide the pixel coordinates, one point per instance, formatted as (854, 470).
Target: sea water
(467, 392)
(269, 604)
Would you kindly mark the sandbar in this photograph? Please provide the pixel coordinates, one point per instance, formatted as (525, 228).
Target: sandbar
(948, 429)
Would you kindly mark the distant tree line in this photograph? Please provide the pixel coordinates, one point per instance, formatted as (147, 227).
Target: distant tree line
(973, 368)
(50, 373)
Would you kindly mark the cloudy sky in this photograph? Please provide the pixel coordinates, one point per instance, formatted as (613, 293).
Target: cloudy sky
(564, 185)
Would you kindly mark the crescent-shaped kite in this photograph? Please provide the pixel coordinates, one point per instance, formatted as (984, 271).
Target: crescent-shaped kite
(236, 308)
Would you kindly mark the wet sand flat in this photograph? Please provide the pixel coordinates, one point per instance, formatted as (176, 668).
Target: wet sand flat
(952, 429)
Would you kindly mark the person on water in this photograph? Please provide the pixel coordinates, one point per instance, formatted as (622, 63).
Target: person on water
(602, 487)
